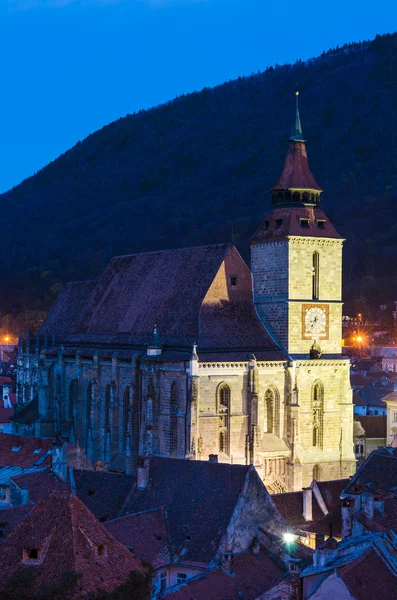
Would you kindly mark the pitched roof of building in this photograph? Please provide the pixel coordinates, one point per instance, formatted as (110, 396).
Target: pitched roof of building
(368, 577)
(5, 414)
(11, 517)
(374, 426)
(358, 380)
(67, 309)
(286, 221)
(28, 414)
(188, 490)
(102, 492)
(145, 534)
(374, 394)
(251, 577)
(290, 505)
(21, 451)
(69, 540)
(378, 472)
(187, 293)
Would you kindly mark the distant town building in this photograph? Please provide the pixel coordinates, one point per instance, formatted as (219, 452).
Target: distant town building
(187, 353)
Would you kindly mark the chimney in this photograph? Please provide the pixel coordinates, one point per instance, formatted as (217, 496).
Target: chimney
(367, 504)
(227, 562)
(213, 458)
(294, 567)
(60, 459)
(143, 472)
(307, 504)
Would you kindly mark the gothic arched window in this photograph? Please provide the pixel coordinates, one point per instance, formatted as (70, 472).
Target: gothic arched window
(88, 414)
(318, 414)
(224, 419)
(174, 418)
(316, 472)
(107, 409)
(272, 411)
(126, 415)
(72, 399)
(316, 275)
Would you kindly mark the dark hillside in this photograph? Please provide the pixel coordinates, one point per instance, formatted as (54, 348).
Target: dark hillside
(181, 173)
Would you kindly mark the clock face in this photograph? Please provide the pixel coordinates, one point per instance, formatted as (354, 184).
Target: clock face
(315, 321)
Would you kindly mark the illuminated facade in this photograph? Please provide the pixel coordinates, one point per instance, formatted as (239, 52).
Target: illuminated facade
(116, 368)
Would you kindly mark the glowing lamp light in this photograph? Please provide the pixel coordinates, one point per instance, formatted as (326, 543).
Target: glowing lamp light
(359, 339)
(289, 538)
(6, 339)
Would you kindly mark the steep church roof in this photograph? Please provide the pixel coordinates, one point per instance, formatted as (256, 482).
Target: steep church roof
(201, 294)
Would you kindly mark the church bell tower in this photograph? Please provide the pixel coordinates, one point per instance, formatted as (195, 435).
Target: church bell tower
(296, 261)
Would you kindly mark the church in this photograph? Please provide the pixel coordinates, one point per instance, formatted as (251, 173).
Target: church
(188, 353)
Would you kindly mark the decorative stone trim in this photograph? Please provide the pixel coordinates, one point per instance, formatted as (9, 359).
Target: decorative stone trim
(311, 241)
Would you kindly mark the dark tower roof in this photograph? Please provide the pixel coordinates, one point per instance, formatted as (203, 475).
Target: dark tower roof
(296, 183)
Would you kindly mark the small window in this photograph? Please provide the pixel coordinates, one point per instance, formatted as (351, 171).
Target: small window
(304, 223)
(32, 555)
(233, 281)
(3, 493)
(188, 538)
(267, 224)
(163, 581)
(181, 577)
(279, 222)
(321, 224)
(101, 551)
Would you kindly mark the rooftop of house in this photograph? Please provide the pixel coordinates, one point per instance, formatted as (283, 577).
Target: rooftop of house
(145, 534)
(368, 577)
(187, 490)
(374, 426)
(358, 380)
(201, 294)
(21, 451)
(251, 576)
(11, 517)
(378, 472)
(28, 414)
(60, 535)
(102, 492)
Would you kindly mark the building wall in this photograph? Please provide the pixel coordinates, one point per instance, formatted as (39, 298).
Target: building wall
(332, 587)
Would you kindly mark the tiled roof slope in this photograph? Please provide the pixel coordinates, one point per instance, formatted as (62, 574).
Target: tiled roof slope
(251, 577)
(11, 517)
(378, 472)
(290, 505)
(187, 293)
(66, 312)
(21, 451)
(286, 221)
(368, 577)
(67, 536)
(28, 414)
(145, 534)
(296, 173)
(374, 426)
(199, 498)
(103, 493)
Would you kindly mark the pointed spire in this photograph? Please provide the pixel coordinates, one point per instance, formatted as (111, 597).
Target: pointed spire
(296, 133)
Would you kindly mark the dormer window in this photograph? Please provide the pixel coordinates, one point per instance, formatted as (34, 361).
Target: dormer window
(304, 223)
(233, 280)
(266, 225)
(321, 224)
(32, 555)
(100, 551)
(279, 222)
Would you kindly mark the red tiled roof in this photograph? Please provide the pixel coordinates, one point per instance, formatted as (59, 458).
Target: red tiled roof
(103, 493)
(187, 293)
(67, 534)
(331, 491)
(29, 452)
(5, 414)
(286, 221)
(358, 380)
(145, 534)
(252, 576)
(296, 173)
(378, 472)
(199, 499)
(11, 517)
(66, 311)
(4, 379)
(368, 577)
(374, 426)
(290, 505)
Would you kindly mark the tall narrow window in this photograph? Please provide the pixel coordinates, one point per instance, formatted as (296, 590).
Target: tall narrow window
(316, 472)
(107, 409)
(316, 275)
(269, 411)
(88, 415)
(224, 419)
(318, 414)
(126, 415)
(174, 418)
(72, 399)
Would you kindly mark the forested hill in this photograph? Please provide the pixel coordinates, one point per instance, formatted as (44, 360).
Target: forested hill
(181, 173)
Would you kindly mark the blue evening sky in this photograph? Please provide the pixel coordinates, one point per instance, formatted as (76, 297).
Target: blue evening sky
(68, 67)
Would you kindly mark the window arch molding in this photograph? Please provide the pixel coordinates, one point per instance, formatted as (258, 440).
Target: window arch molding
(272, 410)
(317, 403)
(223, 410)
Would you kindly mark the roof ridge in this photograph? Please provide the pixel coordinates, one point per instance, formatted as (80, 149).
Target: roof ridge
(220, 245)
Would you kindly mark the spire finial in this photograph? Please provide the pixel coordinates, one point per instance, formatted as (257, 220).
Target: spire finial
(296, 134)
